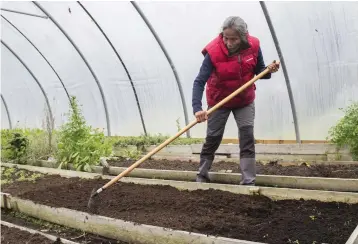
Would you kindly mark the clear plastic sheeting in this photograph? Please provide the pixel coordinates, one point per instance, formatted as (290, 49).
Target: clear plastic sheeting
(5, 123)
(38, 66)
(66, 61)
(319, 42)
(185, 32)
(23, 96)
(151, 73)
(124, 115)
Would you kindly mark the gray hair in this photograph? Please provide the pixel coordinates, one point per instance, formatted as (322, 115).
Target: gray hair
(238, 24)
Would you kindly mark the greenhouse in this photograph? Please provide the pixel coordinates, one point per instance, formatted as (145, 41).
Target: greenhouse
(101, 138)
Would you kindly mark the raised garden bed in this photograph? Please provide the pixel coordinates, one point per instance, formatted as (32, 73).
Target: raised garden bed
(212, 212)
(296, 182)
(64, 232)
(11, 175)
(272, 168)
(290, 152)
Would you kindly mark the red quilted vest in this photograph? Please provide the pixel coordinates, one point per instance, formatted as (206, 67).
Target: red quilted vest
(230, 73)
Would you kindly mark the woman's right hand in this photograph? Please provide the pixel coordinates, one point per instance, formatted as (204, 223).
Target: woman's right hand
(201, 116)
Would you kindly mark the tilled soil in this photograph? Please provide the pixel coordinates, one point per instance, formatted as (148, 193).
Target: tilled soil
(272, 168)
(56, 230)
(253, 218)
(15, 236)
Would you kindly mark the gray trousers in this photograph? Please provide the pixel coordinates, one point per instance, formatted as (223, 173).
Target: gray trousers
(244, 118)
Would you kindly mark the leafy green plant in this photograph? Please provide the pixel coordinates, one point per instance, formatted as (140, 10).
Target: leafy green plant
(17, 147)
(178, 124)
(38, 146)
(148, 140)
(80, 144)
(41, 147)
(127, 154)
(41, 142)
(345, 132)
(6, 135)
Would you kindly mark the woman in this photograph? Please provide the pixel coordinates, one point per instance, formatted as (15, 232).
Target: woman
(230, 60)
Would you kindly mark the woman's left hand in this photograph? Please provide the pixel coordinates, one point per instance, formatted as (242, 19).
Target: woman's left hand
(273, 67)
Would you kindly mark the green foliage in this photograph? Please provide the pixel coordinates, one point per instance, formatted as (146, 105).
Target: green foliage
(14, 146)
(187, 141)
(6, 137)
(140, 141)
(345, 132)
(80, 144)
(127, 154)
(178, 125)
(42, 144)
(37, 147)
(149, 140)
(9, 175)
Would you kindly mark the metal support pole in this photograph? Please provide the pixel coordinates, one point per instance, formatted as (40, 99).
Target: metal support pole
(122, 62)
(33, 76)
(169, 60)
(7, 111)
(63, 85)
(18, 12)
(283, 64)
(85, 61)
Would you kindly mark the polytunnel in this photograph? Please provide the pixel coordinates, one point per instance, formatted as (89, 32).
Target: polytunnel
(131, 65)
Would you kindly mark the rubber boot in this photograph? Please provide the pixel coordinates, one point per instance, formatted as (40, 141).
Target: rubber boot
(248, 171)
(207, 156)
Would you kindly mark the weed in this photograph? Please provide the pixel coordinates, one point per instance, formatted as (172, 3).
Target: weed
(130, 154)
(10, 175)
(178, 124)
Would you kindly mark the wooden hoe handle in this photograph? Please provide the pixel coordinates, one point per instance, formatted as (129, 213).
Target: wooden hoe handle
(165, 143)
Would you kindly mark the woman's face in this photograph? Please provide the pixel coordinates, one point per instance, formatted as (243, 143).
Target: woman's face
(231, 39)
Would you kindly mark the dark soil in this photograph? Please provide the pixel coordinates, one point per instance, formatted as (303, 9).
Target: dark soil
(9, 176)
(54, 229)
(16, 236)
(253, 218)
(272, 168)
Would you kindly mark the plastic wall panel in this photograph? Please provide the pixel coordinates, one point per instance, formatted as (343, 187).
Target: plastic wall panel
(318, 40)
(48, 79)
(320, 44)
(23, 96)
(4, 119)
(124, 114)
(66, 61)
(189, 26)
(152, 76)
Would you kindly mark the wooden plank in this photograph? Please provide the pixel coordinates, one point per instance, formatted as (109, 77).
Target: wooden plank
(303, 149)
